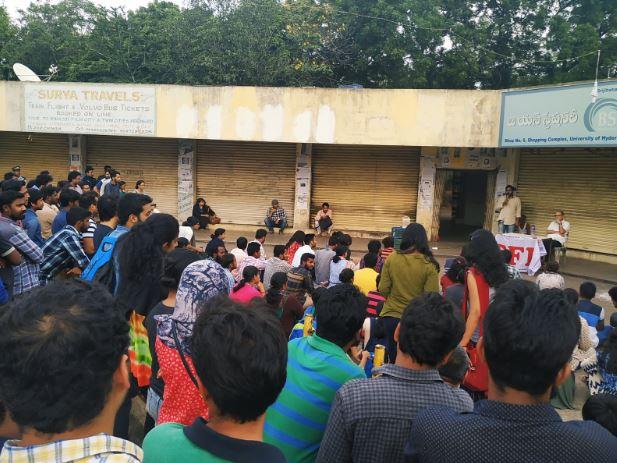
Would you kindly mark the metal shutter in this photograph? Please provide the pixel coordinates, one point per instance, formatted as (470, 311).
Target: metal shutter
(35, 152)
(368, 187)
(154, 160)
(579, 181)
(239, 180)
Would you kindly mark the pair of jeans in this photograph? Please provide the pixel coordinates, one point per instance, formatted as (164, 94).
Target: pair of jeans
(270, 223)
(506, 228)
(389, 325)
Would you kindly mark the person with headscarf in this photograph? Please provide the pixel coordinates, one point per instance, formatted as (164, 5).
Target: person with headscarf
(407, 274)
(182, 402)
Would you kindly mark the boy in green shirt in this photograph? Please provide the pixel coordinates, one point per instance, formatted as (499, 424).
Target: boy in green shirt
(240, 356)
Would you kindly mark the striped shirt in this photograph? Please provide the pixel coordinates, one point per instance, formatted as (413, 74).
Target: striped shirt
(101, 448)
(296, 422)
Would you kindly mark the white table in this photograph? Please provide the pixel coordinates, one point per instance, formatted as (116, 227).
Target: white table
(527, 251)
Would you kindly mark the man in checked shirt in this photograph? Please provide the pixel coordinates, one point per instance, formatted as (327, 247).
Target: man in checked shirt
(63, 252)
(276, 217)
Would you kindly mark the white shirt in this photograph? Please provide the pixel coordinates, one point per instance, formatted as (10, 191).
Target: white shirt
(262, 251)
(306, 249)
(556, 236)
(239, 254)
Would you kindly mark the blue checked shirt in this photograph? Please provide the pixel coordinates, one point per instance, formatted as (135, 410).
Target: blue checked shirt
(279, 214)
(62, 251)
(26, 274)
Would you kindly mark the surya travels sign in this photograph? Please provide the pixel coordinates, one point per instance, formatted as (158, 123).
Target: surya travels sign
(90, 109)
(560, 116)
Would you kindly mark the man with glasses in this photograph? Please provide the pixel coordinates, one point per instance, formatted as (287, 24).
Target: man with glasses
(557, 234)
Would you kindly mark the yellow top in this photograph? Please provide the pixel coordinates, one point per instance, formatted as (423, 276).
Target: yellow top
(366, 280)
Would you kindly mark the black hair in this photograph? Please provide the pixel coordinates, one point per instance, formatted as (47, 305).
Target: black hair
(279, 250)
(48, 191)
(297, 237)
(88, 199)
(333, 240)
(68, 196)
(13, 185)
(308, 238)
(325, 204)
(513, 188)
(182, 242)
(346, 239)
(76, 214)
(340, 312)
(261, 233)
(587, 290)
(306, 256)
(457, 270)
(248, 274)
(73, 175)
(242, 242)
(218, 232)
(415, 239)
(455, 369)
(42, 180)
(69, 336)
(571, 296)
(613, 293)
(113, 173)
(370, 260)
(388, 242)
(89, 168)
(107, 169)
(430, 329)
(138, 182)
(258, 355)
(30, 184)
(277, 282)
(190, 222)
(340, 253)
(346, 276)
(252, 248)
(374, 246)
(174, 264)
(608, 357)
(552, 267)
(122, 183)
(199, 200)
(506, 255)
(9, 197)
(131, 204)
(602, 408)
(34, 195)
(483, 252)
(226, 260)
(529, 336)
(8, 176)
(63, 184)
(107, 207)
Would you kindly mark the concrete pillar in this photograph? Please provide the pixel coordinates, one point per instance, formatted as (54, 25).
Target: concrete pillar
(426, 189)
(302, 202)
(186, 178)
(77, 153)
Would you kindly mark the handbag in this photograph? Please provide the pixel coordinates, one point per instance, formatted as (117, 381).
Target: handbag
(477, 376)
(214, 220)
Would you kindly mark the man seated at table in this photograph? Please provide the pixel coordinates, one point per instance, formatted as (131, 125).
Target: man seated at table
(276, 217)
(556, 234)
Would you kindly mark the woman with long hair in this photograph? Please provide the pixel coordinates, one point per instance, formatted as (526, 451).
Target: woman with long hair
(338, 263)
(487, 271)
(407, 274)
(284, 305)
(602, 372)
(295, 242)
(249, 287)
(140, 187)
(182, 402)
(217, 239)
(203, 213)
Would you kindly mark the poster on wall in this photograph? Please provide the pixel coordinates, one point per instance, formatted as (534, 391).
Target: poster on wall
(186, 186)
(100, 109)
(569, 115)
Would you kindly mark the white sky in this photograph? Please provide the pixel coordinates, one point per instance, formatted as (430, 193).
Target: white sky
(14, 5)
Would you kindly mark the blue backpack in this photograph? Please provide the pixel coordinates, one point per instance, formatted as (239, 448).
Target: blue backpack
(101, 269)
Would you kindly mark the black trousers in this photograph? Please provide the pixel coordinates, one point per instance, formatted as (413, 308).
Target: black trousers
(550, 244)
(390, 324)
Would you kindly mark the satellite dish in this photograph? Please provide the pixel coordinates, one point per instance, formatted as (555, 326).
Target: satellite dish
(24, 73)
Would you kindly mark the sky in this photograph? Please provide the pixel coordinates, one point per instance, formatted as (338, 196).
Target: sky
(14, 5)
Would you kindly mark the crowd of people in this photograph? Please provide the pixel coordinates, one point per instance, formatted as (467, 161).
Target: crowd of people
(307, 355)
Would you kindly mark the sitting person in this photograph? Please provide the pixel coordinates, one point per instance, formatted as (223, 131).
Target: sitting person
(308, 247)
(300, 279)
(286, 307)
(347, 277)
(602, 373)
(613, 295)
(338, 264)
(323, 219)
(252, 259)
(455, 291)
(278, 263)
(513, 272)
(523, 226)
(216, 239)
(64, 374)
(388, 247)
(240, 250)
(249, 287)
(550, 277)
(366, 278)
(516, 423)
(602, 408)
(453, 372)
(276, 217)
(203, 214)
(374, 247)
(593, 313)
(557, 234)
(370, 419)
(237, 397)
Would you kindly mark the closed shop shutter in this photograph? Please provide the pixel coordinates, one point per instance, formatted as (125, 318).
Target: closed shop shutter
(579, 181)
(239, 180)
(368, 187)
(35, 152)
(153, 160)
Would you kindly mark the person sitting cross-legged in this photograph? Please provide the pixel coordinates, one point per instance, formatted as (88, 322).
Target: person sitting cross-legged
(238, 380)
(371, 418)
(529, 336)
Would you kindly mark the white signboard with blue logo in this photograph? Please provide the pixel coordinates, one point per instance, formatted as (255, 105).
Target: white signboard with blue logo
(573, 115)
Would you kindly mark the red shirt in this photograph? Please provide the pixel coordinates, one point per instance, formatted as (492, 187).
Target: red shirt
(291, 252)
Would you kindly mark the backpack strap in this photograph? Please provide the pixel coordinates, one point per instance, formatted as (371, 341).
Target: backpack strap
(174, 333)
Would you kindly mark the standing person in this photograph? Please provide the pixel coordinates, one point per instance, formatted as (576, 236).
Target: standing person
(509, 211)
(89, 202)
(249, 287)
(362, 429)
(323, 219)
(42, 180)
(388, 247)
(25, 276)
(556, 234)
(294, 243)
(103, 181)
(260, 238)
(517, 422)
(253, 258)
(240, 250)
(140, 187)
(71, 337)
(487, 272)
(366, 278)
(276, 217)
(17, 174)
(278, 263)
(31, 221)
(74, 179)
(112, 188)
(339, 313)
(309, 246)
(175, 263)
(237, 398)
(107, 208)
(182, 401)
(216, 239)
(89, 178)
(407, 274)
(63, 251)
(49, 211)
(123, 189)
(68, 200)
(323, 257)
(204, 214)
